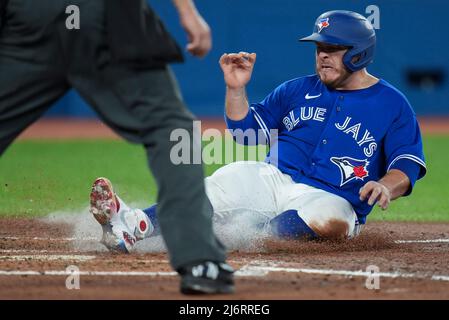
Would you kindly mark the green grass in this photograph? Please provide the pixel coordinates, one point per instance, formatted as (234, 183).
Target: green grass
(429, 200)
(38, 178)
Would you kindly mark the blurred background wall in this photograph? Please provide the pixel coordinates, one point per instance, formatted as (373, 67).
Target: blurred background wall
(412, 51)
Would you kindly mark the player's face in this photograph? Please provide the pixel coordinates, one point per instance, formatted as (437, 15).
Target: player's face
(329, 64)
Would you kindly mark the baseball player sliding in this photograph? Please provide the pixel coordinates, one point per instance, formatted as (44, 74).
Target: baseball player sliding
(346, 141)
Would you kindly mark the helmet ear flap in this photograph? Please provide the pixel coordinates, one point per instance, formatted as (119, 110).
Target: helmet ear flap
(347, 61)
(358, 57)
(361, 60)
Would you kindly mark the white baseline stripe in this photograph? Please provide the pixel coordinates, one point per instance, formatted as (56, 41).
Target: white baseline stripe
(247, 273)
(20, 273)
(349, 273)
(163, 261)
(26, 251)
(442, 240)
(85, 273)
(244, 272)
(423, 241)
(359, 273)
(41, 257)
(51, 239)
(441, 278)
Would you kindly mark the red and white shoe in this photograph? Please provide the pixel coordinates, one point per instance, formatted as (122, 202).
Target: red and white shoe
(103, 203)
(122, 226)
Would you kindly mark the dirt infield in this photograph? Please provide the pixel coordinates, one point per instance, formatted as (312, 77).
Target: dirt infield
(412, 259)
(93, 129)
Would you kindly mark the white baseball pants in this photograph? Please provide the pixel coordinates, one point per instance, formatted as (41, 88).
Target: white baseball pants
(262, 190)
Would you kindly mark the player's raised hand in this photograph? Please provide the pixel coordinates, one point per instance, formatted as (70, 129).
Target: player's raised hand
(237, 68)
(375, 192)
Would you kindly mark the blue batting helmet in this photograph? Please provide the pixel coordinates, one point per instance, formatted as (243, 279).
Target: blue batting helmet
(349, 29)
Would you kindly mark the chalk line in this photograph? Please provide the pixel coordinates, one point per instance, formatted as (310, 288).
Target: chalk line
(246, 271)
(69, 239)
(42, 257)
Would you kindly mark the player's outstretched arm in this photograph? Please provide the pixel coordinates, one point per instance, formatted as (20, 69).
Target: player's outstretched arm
(392, 186)
(237, 69)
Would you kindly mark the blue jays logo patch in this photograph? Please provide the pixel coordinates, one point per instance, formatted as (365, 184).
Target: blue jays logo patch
(323, 23)
(351, 168)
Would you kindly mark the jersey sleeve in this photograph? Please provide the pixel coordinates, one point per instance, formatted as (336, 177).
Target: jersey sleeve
(403, 144)
(239, 130)
(269, 112)
(263, 116)
(411, 170)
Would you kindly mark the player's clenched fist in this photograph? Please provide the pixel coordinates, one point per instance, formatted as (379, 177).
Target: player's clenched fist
(237, 68)
(375, 192)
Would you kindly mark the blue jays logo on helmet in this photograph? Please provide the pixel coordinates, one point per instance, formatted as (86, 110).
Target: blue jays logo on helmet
(351, 169)
(322, 23)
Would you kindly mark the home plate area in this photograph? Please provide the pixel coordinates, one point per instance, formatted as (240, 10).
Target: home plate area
(39, 259)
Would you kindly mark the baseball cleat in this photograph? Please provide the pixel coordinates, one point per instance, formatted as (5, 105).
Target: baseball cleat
(122, 226)
(207, 278)
(104, 207)
(103, 202)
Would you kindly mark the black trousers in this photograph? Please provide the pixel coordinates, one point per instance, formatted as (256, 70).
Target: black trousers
(40, 59)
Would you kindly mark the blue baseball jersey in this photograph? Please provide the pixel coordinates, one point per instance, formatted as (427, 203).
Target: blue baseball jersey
(338, 140)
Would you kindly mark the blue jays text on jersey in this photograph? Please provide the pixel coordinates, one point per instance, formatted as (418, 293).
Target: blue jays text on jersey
(337, 140)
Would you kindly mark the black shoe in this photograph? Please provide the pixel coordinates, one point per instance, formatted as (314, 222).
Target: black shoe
(207, 278)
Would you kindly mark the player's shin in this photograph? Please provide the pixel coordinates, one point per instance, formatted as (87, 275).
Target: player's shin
(289, 225)
(151, 214)
(144, 227)
(136, 220)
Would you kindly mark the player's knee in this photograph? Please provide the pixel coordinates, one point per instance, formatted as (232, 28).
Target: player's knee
(330, 218)
(331, 229)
